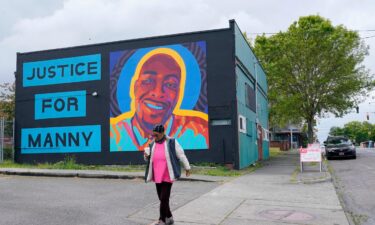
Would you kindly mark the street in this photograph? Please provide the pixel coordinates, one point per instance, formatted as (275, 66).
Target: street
(50, 200)
(274, 194)
(355, 182)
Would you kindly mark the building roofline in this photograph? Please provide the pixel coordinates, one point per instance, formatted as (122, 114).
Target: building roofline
(233, 22)
(129, 40)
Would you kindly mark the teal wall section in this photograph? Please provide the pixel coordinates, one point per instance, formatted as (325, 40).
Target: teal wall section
(245, 54)
(247, 142)
(266, 154)
(245, 74)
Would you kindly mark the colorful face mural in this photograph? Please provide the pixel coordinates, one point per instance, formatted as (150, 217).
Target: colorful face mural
(159, 85)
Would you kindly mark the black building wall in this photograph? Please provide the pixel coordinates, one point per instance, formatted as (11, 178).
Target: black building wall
(221, 96)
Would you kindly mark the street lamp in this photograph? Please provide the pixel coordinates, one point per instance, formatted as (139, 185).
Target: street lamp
(368, 113)
(291, 135)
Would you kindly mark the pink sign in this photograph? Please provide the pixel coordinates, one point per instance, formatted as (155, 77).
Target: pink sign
(311, 154)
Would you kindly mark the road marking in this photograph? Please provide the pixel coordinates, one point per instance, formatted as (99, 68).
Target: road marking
(368, 167)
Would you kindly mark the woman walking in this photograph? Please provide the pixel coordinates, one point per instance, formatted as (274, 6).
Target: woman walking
(163, 158)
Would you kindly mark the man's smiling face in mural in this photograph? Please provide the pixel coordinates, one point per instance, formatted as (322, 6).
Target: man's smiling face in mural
(157, 89)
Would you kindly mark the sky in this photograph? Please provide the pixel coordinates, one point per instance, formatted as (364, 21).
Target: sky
(30, 25)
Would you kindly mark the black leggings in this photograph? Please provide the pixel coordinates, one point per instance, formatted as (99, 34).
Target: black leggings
(164, 192)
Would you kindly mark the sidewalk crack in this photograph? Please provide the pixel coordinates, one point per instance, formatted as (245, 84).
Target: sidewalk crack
(232, 211)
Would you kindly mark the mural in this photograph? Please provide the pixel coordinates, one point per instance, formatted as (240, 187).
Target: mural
(159, 85)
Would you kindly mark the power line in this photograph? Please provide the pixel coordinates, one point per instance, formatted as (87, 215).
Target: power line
(364, 30)
(269, 33)
(368, 37)
(277, 33)
(260, 33)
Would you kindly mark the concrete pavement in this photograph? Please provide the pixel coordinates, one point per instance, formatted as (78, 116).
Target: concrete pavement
(269, 196)
(38, 200)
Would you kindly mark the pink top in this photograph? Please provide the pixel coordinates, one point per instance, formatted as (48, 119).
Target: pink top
(159, 164)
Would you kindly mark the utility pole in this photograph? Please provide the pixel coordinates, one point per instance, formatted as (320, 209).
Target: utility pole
(256, 90)
(2, 125)
(256, 103)
(291, 138)
(368, 113)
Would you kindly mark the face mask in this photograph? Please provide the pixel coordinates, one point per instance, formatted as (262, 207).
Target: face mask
(161, 140)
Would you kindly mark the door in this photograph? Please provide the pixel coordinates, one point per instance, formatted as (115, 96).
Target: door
(260, 141)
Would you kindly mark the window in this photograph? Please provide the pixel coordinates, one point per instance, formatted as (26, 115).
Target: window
(266, 134)
(338, 140)
(250, 97)
(242, 124)
(221, 122)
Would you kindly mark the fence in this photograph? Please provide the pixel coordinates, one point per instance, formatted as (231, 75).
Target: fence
(283, 145)
(6, 139)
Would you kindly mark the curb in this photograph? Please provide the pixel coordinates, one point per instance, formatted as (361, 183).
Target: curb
(317, 177)
(327, 178)
(92, 175)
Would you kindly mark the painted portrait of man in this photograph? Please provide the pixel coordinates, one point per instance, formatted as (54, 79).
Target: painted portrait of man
(159, 85)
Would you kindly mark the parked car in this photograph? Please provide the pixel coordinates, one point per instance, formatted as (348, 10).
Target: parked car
(339, 147)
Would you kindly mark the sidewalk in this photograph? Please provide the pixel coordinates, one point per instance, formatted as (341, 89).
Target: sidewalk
(274, 194)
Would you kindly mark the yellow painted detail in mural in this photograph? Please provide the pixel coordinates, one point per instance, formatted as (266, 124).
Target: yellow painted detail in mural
(177, 110)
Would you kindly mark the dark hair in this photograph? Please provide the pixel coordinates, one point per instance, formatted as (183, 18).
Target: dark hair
(158, 128)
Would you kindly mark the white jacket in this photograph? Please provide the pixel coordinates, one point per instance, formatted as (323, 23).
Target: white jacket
(179, 153)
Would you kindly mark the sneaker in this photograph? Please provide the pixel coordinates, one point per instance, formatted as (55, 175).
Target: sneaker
(160, 223)
(169, 221)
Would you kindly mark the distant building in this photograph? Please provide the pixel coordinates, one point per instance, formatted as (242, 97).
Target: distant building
(367, 144)
(280, 137)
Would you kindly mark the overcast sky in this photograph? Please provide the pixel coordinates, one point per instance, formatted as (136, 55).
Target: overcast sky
(29, 25)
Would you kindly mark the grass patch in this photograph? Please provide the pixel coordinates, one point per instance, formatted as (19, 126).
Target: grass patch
(329, 167)
(311, 163)
(11, 164)
(294, 175)
(69, 163)
(210, 169)
(219, 170)
(275, 152)
(358, 219)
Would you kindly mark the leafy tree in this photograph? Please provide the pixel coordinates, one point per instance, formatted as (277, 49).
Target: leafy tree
(354, 130)
(313, 68)
(371, 133)
(7, 100)
(336, 131)
(248, 39)
(357, 131)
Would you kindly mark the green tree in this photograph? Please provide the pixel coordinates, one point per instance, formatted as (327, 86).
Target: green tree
(355, 131)
(7, 100)
(336, 131)
(248, 39)
(366, 130)
(313, 68)
(371, 133)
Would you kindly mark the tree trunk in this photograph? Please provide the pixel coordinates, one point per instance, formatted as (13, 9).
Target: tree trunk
(310, 131)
